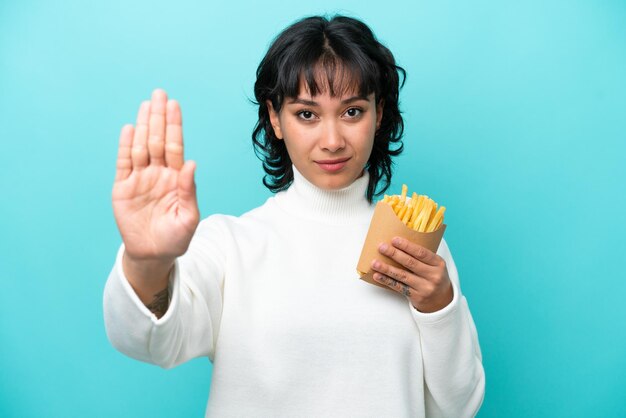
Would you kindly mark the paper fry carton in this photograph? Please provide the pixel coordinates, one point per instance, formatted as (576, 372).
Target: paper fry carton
(384, 226)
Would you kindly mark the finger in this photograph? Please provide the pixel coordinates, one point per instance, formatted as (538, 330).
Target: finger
(396, 273)
(186, 182)
(402, 258)
(422, 254)
(156, 136)
(395, 285)
(174, 155)
(124, 161)
(187, 193)
(139, 150)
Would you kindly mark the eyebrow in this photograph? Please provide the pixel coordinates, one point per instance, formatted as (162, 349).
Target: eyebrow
(305, 102)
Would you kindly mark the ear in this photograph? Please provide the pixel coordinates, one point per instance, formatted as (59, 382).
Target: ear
(274, 120)
(379, 113)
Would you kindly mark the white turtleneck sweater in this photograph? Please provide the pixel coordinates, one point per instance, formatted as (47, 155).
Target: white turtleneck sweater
(273, 299)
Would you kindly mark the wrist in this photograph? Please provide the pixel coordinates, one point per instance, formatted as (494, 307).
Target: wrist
(147, 277)
(147, 264)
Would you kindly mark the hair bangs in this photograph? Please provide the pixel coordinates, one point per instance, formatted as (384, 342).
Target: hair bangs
(323, 70)
(337, 77)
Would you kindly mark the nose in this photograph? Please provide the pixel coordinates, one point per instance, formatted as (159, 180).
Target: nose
(332, 138)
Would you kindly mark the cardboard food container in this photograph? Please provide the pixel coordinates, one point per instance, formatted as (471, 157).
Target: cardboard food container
(384, 226)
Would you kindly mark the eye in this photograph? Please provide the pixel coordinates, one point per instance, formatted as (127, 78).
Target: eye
(354, 112)
(305, 114)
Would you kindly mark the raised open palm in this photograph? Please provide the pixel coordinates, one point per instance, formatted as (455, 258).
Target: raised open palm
(154, 194)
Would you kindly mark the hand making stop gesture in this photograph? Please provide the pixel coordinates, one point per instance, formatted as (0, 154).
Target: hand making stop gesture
(154, 194)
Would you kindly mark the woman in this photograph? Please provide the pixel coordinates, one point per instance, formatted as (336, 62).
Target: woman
(272, 297)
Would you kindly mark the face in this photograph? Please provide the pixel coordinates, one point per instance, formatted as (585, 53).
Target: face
(329, 139)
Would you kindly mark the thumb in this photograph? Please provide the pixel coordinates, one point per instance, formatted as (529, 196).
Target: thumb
(187, 184)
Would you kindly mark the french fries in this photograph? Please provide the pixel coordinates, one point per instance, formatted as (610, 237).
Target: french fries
(421, 223)
(419, 212)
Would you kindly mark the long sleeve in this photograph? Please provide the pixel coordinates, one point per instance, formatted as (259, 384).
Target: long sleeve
(453, 372)
(191, 324)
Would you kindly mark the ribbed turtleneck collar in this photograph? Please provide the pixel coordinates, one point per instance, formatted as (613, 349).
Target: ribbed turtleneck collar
(305, 200)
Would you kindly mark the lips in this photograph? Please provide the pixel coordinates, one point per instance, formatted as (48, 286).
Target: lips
(332, 165)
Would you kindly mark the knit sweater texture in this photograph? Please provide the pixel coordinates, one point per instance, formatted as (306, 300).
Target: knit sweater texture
(273, 299)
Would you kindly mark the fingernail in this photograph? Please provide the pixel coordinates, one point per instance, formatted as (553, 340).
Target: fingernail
(397, 241)
(376, 264)
(383, 247)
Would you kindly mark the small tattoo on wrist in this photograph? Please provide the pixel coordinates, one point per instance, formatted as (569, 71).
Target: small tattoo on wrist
(159, 304)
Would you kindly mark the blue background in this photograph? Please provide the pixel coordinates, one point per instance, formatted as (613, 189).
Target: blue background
(515, 120)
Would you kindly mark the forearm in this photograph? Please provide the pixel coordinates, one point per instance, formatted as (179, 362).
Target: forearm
(135, 331)
(453, 371)
(195, 281)
(150, 281)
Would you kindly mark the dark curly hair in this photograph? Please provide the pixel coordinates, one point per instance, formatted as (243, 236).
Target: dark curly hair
(352, 59)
